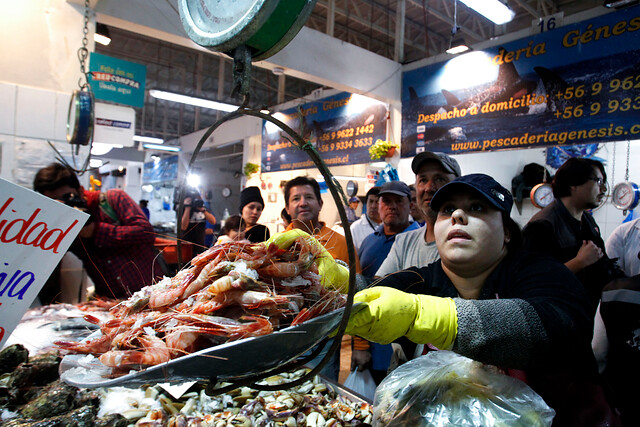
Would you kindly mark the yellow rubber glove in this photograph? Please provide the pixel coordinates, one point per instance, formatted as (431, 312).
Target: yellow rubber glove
(391, 314)
(332, 274)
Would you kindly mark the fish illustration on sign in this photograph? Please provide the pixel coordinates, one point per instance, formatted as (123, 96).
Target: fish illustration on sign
(508, 85)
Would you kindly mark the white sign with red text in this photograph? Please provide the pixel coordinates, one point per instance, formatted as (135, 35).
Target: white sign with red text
(35, 232)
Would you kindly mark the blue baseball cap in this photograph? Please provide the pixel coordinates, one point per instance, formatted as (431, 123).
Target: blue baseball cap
(487, 187)
(398, 188)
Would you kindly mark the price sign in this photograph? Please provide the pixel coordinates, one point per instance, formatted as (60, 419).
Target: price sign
(35, 232)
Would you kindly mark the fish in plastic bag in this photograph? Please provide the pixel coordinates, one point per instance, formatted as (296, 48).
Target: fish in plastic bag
(443, 388)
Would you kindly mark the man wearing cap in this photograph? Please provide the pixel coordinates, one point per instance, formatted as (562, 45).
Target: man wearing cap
(351, 209)
(393, 206)
(251, 207)
(487, 300)
(369, 220)
(417, 247)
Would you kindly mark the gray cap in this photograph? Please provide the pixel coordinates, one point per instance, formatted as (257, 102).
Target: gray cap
(448, 163)
(395, 187)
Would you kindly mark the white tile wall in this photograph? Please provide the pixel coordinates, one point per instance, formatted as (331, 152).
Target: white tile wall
(7, 108)
(35, 113)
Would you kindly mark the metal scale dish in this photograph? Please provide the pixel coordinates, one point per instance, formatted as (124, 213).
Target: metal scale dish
(233, 360)
(264, 26)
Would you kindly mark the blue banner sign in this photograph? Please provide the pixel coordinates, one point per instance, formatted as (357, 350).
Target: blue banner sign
(573, 85)
(165, 169)
(341, 128)
(116, 80)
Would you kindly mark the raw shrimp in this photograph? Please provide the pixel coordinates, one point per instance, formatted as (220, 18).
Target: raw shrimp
(330, 301)
(95, 346)
(208, 273)
(283, 270)
(152, 352)
(246, 326)
(235, 280)
(248, 299)
(168, 291)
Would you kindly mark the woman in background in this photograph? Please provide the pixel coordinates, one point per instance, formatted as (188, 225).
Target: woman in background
(251, 207)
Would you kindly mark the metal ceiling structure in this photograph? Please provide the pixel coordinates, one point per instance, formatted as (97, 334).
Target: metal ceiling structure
(402, 30)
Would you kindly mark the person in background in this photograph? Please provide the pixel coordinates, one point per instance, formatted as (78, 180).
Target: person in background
(231, 230)
(303, 202)
(251, 207)
(369, 220)
(487, 300)
(616, 336)
(145, 209)
(116, 244)
(194, 218)
(393, 206)
(618, 346)
(624, 245)
(415, 211)
(418, 247)
(565, 230)
(286, 218)
(351, 209)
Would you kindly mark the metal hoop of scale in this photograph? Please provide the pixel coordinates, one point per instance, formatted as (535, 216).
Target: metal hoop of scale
(243, 55)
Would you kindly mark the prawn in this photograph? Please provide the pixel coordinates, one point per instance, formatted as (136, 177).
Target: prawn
(330, 301)
(248, 299)
(246, 326)
(288, 269)
(95, 346)
(208, 273)
(153, 351)
(235, 280)
(168, 291)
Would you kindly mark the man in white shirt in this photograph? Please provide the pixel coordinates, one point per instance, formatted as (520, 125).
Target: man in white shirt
(624, 244)
(418, 247)
(369, 220)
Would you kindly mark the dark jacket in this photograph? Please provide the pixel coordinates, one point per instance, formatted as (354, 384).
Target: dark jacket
(554, 232)
(533, 315)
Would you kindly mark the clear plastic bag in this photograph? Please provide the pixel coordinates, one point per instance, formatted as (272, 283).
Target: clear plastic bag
(443, 388)
(361, 382)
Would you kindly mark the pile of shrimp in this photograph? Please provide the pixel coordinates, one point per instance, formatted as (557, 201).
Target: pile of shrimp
(231, 291)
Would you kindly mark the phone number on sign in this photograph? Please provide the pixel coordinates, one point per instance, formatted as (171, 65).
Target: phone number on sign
(345, 145)
(348, 133)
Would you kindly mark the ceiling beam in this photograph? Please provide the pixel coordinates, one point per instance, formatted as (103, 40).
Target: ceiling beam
(446, 19)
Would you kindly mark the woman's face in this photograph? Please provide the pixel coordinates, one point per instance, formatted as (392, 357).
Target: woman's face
(470, 234)
(251, 213)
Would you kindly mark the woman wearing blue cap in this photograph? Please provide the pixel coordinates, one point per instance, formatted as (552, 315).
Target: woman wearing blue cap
(487, 300)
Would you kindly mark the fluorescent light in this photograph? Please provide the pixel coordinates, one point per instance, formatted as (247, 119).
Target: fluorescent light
(95, 163)
(102, 34)
(161, 147)
(99, 148)
(99, 38)
(265, 111)
(190, 100)
(457, 48)
(494, 10)
(148, 139)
